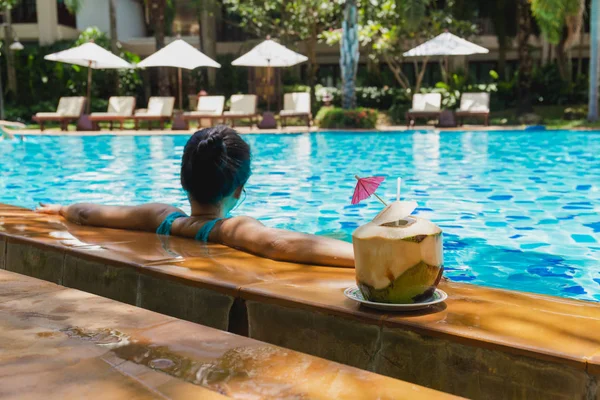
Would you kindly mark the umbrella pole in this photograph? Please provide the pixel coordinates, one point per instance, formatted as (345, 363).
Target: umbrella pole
(269, 87)
(89, 88)
(180, 79)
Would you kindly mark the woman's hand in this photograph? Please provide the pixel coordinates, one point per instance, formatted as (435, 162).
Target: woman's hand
(51, 209)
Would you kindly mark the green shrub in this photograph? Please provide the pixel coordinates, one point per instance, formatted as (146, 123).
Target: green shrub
(397, 113)
(380, 98)
(338, 118)
(41, 83)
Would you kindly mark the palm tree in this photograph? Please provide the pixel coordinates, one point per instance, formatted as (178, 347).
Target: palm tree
(594, 65)
(560, 22)
(349, 54)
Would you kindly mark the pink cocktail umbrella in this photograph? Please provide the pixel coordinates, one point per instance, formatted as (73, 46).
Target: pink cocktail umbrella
(366, 187)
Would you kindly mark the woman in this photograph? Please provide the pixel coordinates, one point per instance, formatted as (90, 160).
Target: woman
(214, 169)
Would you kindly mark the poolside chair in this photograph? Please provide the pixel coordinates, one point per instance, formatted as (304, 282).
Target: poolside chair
(474, 105)
(242, 106)
(296, 105)
(119, 109)
(208, 107)
(427, 105)
(69, 110)
(159, 109)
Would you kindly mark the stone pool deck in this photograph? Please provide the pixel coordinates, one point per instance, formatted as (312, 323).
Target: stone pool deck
(482, 343)
(59, 343)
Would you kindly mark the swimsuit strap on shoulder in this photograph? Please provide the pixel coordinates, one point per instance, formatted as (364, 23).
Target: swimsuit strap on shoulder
(166, 225)
(204, 232)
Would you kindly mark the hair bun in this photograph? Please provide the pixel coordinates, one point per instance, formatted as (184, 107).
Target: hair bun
(212, 145)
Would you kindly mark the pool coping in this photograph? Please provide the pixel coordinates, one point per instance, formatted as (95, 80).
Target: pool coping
(538, 326)
(290, 130)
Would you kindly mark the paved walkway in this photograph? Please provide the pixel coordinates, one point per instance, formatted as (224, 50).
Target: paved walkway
(59, 343)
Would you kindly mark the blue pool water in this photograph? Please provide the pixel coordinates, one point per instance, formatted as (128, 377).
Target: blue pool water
(519, 210)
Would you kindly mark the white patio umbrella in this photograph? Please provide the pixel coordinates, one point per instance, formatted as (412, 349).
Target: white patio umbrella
(270, 54)
(445, 45)
(179, 54)
(92, 56)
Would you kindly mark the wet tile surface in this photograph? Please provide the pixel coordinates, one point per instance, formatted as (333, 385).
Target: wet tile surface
(67, 343)
(544, 327)
(547, 328)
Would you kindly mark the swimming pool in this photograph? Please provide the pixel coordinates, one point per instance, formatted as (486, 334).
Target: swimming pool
(519, 210)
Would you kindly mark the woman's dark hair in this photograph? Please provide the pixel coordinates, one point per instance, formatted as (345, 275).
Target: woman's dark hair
(216, 161)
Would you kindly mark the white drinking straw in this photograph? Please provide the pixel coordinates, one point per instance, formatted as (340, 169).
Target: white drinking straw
(398, 189)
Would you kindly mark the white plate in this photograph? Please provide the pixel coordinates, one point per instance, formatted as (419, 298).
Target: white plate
(354, 293)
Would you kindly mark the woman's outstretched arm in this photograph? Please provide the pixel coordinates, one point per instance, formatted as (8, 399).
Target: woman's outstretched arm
(145, 217)
(250, 235)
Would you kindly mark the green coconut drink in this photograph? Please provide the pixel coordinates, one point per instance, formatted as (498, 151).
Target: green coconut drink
(398, 257)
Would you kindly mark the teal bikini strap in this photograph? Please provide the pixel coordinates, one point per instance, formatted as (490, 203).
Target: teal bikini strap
(204, 232)
(165, 226)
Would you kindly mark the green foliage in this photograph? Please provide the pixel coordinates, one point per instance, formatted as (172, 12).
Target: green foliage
(388, 28)
(552, 16)
(458, 84)
(94, 34)
(8, 3)
(237, 78)
(338, 118)
(42, 83)
(73, 5)
(290, 20)
(380, 98)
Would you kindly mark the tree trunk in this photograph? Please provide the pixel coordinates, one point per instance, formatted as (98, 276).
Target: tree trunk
(502, 48)
(157, 17)
(563, 59)
(208, 38)
(349, 54)
(114, 35)
(524, 104)
(594, 62)
(11, 71)
(580, 53)
(500, 22)
(311, 53)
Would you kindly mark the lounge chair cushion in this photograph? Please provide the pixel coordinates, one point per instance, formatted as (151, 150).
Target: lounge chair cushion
(68, 107)
(426, 102)
(48, 115)
(475, 102)
(242, 104)
(209, 105)
(123, 106)
(158, 107)
(296, 104)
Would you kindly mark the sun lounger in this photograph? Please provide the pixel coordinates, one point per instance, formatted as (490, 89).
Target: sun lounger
(159, 109)
(208, 107)
(242, 106)
(119, 110)
(69, 110)
(427, 105)
(296, 105)
(474, 105)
